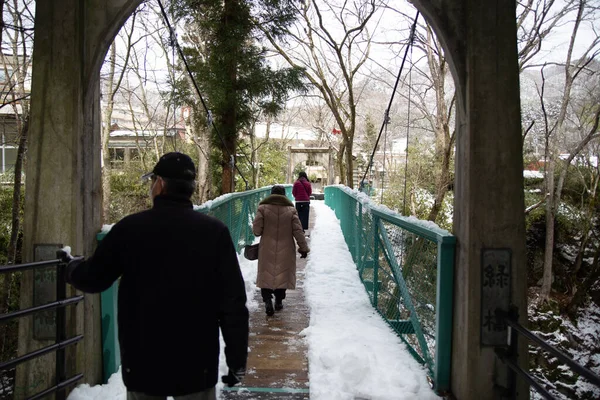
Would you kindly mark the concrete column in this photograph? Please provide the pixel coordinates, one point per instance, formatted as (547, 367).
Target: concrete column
(63, 185)
(127, 156)
(489, 201)
(479, 39)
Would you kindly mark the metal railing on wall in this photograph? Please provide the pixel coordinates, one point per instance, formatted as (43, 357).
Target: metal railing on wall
(236, 210)
(509, 355)
(62, 382)
(407, 268)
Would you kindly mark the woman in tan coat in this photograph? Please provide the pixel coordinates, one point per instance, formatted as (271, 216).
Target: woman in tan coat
(278, 225)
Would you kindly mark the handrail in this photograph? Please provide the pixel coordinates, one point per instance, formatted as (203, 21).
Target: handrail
(44, 307)
(509, 355)
(232, 196)
(55, 388)
(435, 234)
(4, 269)
(40, 352)
(61, 340)
(502, 354)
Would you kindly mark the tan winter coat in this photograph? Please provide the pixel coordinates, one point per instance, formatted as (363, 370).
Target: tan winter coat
(277, 224)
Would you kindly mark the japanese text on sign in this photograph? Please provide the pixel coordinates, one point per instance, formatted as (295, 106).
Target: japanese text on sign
(495, 295)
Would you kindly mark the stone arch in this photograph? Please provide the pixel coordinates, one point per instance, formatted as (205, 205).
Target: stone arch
(114, 15)
(443, 16)
(322, 156)
(71, 39)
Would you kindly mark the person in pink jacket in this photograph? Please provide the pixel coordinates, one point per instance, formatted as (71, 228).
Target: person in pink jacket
(277, 224)
(302, 191)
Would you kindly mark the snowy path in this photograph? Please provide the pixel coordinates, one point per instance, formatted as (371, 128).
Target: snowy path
(352, 353)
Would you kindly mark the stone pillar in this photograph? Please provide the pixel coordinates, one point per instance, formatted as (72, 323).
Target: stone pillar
(63, 185)
(479, 39)
(290, 171)
(489, 200)
(127, 157)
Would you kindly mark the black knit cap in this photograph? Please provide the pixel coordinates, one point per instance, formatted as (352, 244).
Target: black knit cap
(174, 165)
(278, 189)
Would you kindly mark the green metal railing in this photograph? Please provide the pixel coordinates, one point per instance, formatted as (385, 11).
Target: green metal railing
(236, 210)
(406, 266)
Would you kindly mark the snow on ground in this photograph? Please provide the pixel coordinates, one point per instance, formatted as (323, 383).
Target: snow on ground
(352, 354)
(580, 342)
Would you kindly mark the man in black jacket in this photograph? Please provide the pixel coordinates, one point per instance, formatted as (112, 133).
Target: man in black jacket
(180, 283)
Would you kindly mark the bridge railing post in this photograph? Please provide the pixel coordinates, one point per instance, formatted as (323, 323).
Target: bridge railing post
(111, 353)
(513, 352)
(357, 237)
(375, 260)
(443, 314)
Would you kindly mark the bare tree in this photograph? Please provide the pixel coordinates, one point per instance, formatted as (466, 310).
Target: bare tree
(536, 21)
(580, 288)
(198, 122)
(16, 68)
(557, 130)
(17, 37)
(430, 96)
(331, 43)
(439, 120)
(111, 90)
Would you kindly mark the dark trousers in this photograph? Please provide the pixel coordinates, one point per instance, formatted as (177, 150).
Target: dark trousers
(268, 293)
(303, 208)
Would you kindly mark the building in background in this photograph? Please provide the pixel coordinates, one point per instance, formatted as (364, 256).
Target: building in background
(14, 96)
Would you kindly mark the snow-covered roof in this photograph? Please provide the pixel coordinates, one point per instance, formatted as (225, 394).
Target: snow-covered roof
(128, 133)
(527, 174)
(289, 132)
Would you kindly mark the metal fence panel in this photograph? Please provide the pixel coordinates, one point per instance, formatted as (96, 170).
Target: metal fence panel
(406, 266)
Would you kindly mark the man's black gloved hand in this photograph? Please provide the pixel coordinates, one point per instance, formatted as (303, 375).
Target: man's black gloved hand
(234, 377)
(64, 256)
(72, 262)
(303, 254)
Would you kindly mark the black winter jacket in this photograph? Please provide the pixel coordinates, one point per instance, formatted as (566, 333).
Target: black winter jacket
(180, 282)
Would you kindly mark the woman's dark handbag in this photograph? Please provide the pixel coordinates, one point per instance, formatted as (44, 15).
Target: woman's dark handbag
(251, 252)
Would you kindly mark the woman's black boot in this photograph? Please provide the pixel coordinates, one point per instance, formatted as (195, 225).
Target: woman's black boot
(269, 307)
(278, 304)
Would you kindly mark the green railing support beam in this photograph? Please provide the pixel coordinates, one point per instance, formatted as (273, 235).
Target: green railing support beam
(111, 353)
(376, 263)
(443, 316)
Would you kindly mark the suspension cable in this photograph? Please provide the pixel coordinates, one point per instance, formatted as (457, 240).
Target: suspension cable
(386, 121)
(409, 45)
(172, 44)
(187, 68)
